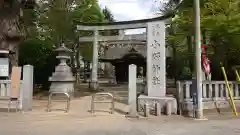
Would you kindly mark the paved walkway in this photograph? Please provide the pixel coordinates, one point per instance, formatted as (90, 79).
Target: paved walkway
(68, 124)
(80, 122)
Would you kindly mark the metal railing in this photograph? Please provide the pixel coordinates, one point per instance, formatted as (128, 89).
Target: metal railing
(5, 94)
(50, 100)
(93, 101)
(214, 94)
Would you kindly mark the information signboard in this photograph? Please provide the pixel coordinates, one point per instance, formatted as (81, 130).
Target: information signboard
(4, 67)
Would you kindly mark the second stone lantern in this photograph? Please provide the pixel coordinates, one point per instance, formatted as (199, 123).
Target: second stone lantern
(62, 79)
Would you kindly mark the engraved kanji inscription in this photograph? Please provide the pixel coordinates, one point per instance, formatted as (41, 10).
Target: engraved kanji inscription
(156, 68)
(156, 44)
(156, 80)
(154, 32)
(156, 55)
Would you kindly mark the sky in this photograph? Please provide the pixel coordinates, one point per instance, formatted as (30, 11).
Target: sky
(126, 10)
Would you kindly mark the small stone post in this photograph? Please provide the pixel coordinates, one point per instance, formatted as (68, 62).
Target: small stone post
(132, 91)
(27, 89)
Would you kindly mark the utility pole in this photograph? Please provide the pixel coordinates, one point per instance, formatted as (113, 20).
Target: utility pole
(198, 67)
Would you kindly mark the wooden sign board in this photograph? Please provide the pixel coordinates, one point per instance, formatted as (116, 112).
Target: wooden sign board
(15, 82)
(4, 67)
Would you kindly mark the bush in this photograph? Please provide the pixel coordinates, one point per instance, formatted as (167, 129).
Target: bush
(38, 53)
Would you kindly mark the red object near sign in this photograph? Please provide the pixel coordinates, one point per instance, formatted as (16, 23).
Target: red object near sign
(205, 60)
(204, 46)
(204, 49)
(206, 64)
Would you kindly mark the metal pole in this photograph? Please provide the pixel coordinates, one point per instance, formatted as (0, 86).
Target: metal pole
(199, 111)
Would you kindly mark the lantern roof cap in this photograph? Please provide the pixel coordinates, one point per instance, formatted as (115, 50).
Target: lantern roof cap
(63, 48)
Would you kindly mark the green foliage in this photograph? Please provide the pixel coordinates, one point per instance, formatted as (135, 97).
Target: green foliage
(220, 25)
(186, 73)
(108, 16)
(50, 23)
(38, 53)
(86, 51)
(56, 21)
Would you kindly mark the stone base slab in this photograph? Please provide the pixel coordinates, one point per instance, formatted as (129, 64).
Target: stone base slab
(94, 85)
(165, 102)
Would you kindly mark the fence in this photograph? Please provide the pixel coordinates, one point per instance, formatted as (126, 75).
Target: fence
(212, 92)
(26, 88)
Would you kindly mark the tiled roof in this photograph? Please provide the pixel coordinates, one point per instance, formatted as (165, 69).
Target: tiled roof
(118, 52)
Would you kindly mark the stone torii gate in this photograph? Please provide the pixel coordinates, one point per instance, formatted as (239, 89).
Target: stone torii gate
(156, 62)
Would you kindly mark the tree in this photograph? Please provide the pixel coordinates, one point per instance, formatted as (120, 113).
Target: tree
(12, 27)
(99, 15)
(40, 54)
(53, 23)
(10, 30)
(169, 7)
(220, 29)
(108, 16)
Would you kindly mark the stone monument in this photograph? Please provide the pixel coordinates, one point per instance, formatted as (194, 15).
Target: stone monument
(156, 59)
(62, 79)
(156, 70)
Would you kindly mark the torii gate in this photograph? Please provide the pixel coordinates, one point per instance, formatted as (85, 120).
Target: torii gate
(156, 62)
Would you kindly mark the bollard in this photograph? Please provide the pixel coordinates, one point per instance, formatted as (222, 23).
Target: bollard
(168, 108)
(112, 105)
(92, 104)
(146, 110)
(157, 109)
(50, 101)
(93, 101)
(194, 104)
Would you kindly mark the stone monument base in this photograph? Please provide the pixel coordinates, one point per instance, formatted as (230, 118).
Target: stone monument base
(94, 85)
(112, 81)
(165, 102)
(62, 86)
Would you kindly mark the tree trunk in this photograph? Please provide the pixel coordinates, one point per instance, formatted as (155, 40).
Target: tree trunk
(190, 53)
(13, 58)
(174, 49)
(10, 32)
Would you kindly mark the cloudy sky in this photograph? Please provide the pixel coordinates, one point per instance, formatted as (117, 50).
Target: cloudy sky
(125, 10)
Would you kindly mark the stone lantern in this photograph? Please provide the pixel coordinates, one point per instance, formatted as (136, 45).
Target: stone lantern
(62, 79)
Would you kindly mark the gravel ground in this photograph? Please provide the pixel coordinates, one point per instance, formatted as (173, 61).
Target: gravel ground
(65, 124)
(80, 122)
